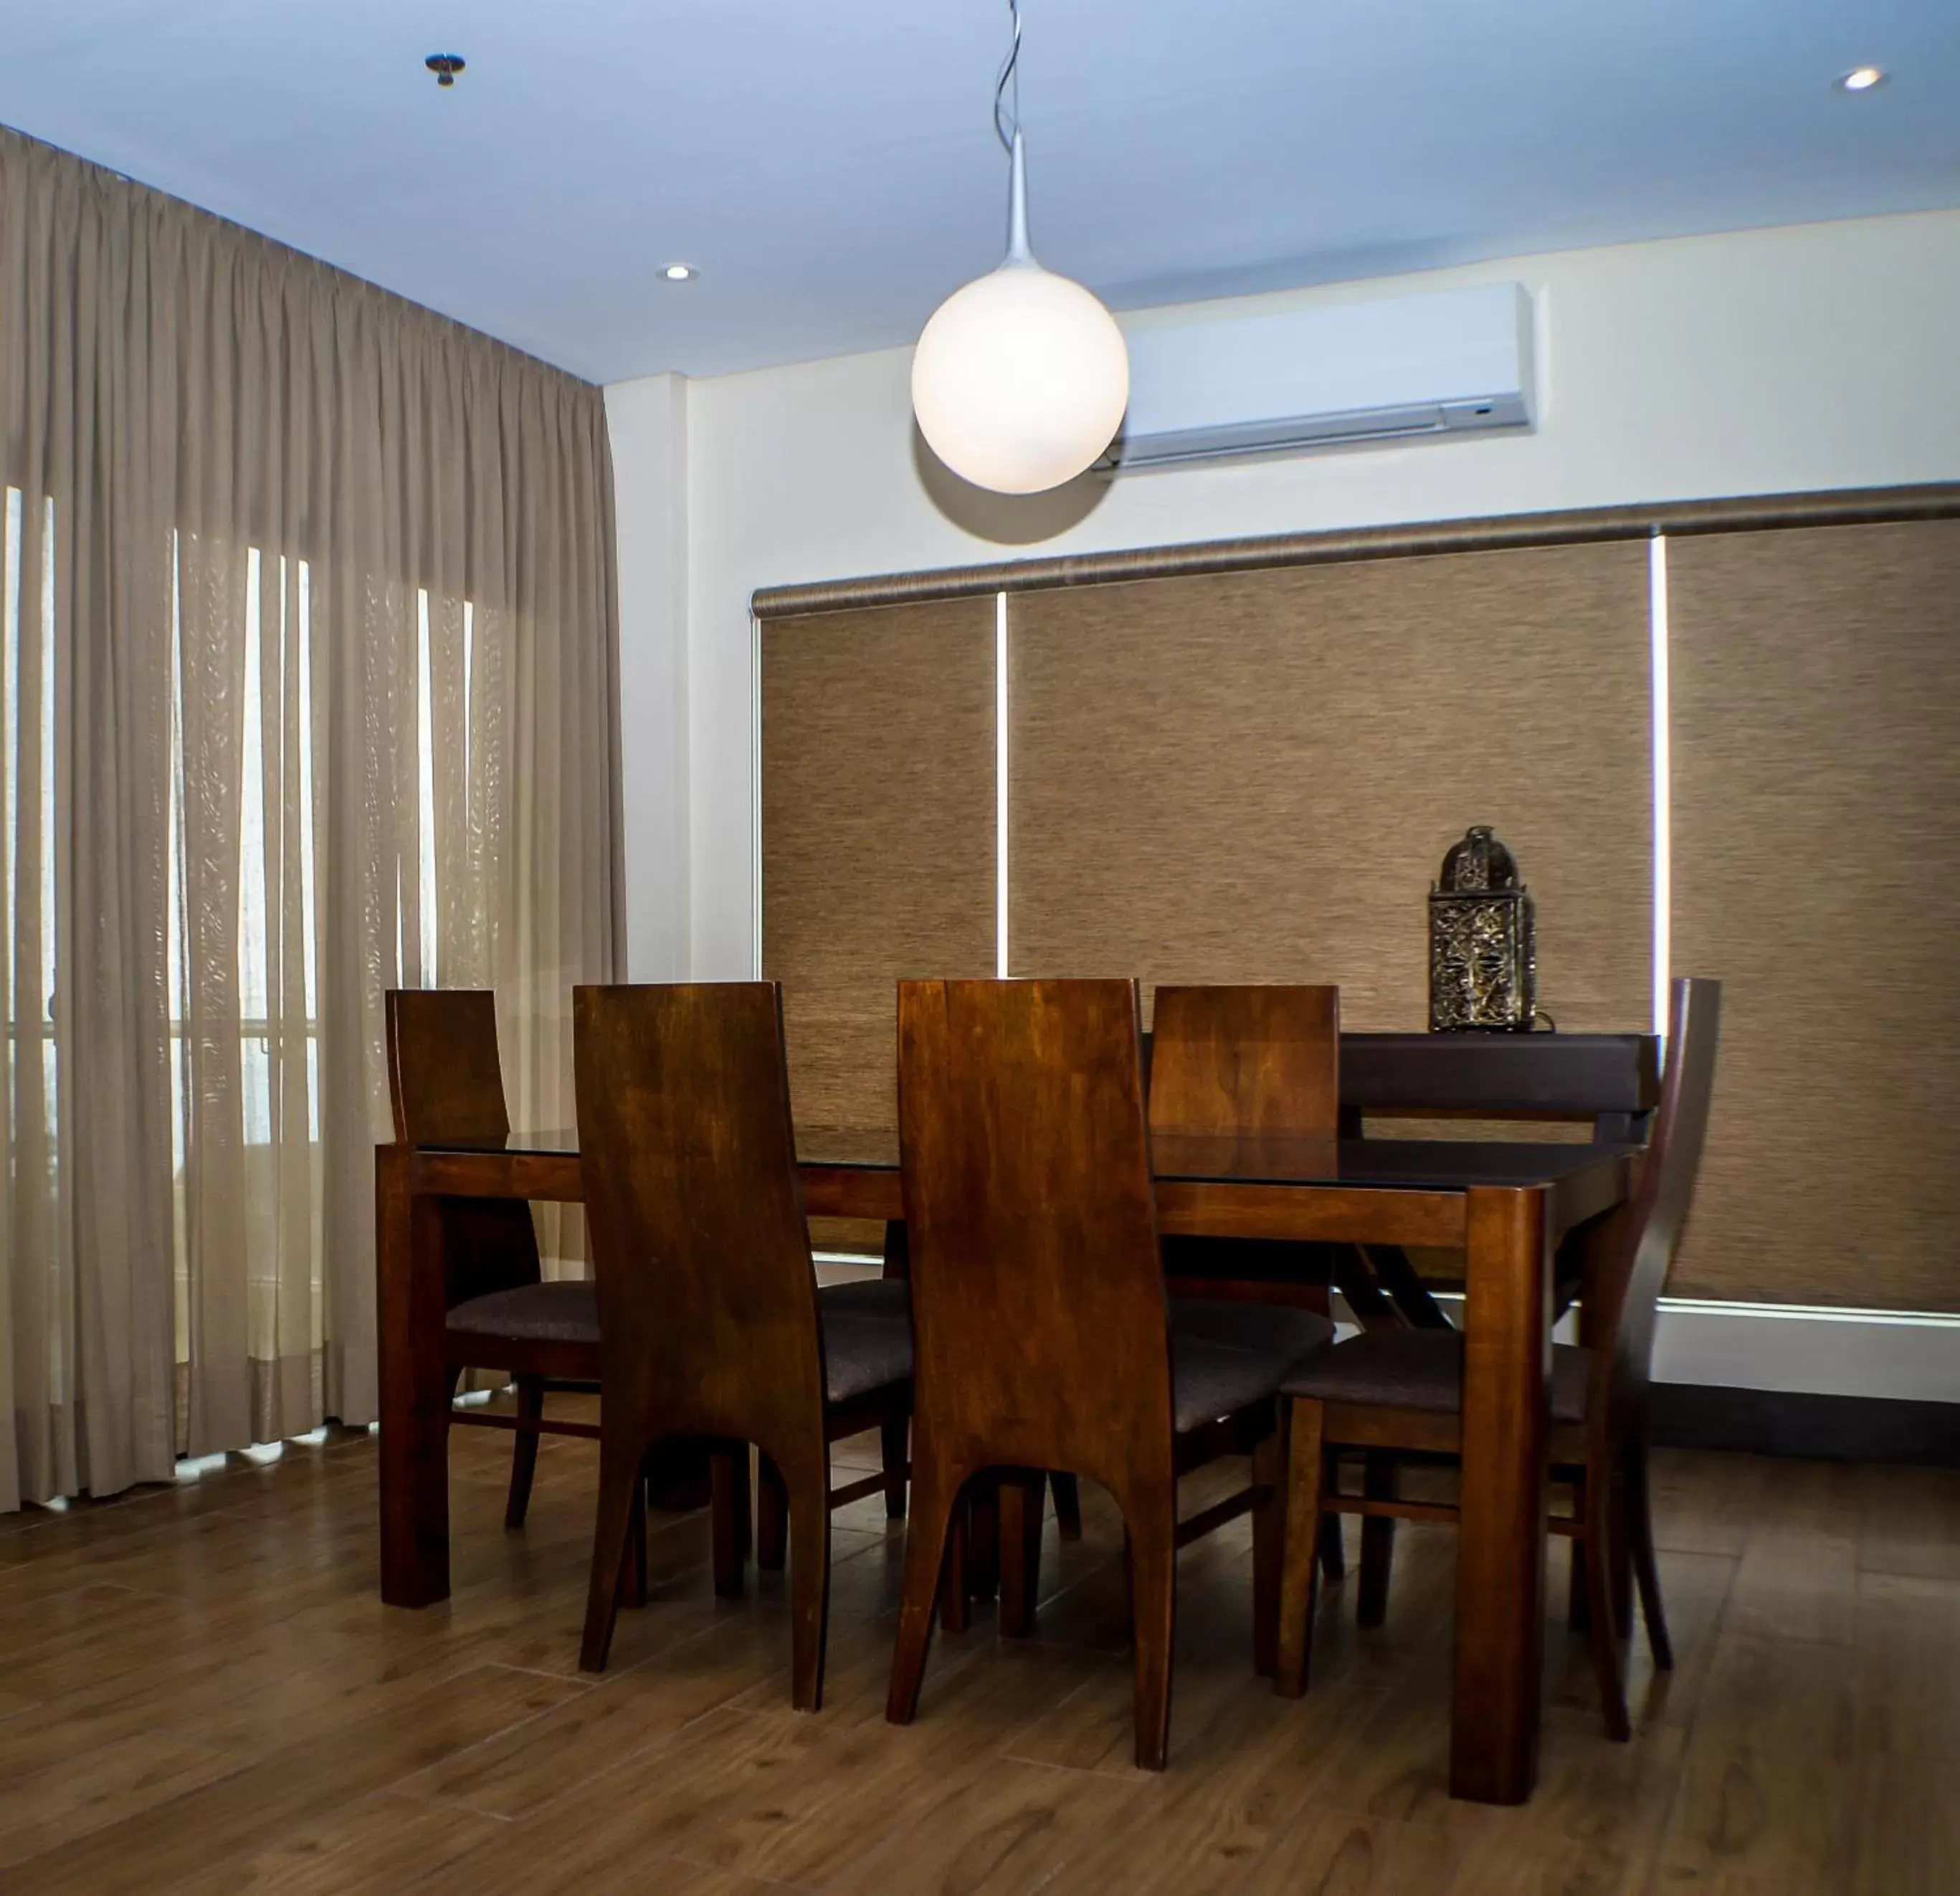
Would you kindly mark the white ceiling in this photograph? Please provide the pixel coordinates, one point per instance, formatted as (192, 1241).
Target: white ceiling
(832, 170)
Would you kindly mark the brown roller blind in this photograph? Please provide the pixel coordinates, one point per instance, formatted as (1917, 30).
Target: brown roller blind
(878, 844)
(1254, 776)
(1816, 727)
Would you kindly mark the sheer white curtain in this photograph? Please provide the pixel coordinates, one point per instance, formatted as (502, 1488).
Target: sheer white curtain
(308, 691)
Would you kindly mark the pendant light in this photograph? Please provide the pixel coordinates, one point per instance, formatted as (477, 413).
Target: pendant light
(1019, 379)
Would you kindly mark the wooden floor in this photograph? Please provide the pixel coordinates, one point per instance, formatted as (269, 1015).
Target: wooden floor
(199, 1690)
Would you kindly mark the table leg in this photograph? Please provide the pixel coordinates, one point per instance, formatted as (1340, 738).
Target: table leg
(1495, 1707)
(414, 1385)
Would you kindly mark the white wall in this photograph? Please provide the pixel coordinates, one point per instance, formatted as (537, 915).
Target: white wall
(1815, 356)
(647, 420)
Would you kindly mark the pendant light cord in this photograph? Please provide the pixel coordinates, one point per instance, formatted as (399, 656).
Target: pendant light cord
(1005, 128)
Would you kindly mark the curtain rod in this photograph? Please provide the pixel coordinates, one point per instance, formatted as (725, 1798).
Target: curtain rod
(1853, 506)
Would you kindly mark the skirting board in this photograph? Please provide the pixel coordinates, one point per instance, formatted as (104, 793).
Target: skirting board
(1893, 1355)
(1834, 1386)
(1816, 1428)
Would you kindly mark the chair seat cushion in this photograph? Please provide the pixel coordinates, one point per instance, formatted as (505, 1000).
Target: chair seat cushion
(567, 1312)
(1225, 1356)
(1423, 1370)
(863, 1349)
(1261, 1327)
(888, 1297)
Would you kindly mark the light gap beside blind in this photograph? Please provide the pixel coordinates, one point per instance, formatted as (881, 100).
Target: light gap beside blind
(1000, 781)
(1663, 821)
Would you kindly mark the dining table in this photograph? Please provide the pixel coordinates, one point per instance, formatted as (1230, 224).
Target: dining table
(1506, 1206)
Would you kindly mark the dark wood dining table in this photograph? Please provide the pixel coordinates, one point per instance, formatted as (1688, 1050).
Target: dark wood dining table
(1506, 1206)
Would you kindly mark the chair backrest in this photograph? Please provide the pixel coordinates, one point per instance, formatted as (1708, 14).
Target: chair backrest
(1653, 1220)
(445, 1082)
(1038, 1297)
(1256, 1059)
(706, 1293)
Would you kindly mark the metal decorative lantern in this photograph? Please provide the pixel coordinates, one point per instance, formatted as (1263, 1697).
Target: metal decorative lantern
(1483, 960)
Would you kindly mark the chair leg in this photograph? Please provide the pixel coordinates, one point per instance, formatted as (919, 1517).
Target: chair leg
(1152, 1518)
(524, 1456)
(1599, 1608)
(983, 1537)
(772, 1517)
(1620, 1572)
(1067, 1504)
(935, 1496)
(729, 1518)
(809, 1581)
(1300, 1567)
(956, 1598)
(1579, 1595)
(1022, 1497)
(618, 1484)
(633, 1583)
(1646, 1567)
(1378, 1540)
(892, 1433)
(1333, 1552)
(1577, 1618)
(1269, 1471)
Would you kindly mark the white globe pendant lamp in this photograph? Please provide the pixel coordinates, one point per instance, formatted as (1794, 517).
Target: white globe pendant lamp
(1020, 379)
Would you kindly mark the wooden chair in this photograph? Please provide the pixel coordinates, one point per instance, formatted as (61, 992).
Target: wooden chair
(1261, 1059)
(446, 1083)
(1248, 1060)
(1045, 1336)
(1609, 1082)
(1401, 1391)
(1226, 1061)
(888, 1296)
(711, 1328)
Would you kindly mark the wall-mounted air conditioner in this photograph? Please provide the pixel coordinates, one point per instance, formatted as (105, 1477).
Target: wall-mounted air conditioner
(1455, 362)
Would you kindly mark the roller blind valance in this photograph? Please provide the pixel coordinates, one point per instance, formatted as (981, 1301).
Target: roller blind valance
(1816, 695)
(878, 792)
(1253, 776)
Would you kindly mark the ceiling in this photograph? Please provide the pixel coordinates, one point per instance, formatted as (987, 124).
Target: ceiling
(831, 169)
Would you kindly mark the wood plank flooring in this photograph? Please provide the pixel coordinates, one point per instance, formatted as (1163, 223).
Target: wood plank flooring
(200, 1690)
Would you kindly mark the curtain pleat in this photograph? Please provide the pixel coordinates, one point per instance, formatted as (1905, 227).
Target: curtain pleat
(308, 689)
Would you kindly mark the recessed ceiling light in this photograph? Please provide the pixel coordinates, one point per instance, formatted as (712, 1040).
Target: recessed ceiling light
(1861, 79)
(680, 272)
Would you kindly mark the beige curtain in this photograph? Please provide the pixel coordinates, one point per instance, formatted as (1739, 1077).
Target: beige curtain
(309, 691)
